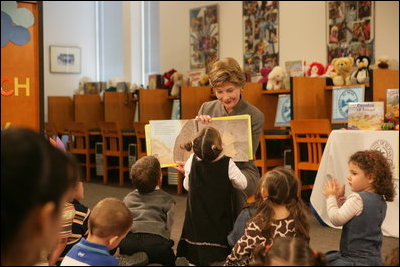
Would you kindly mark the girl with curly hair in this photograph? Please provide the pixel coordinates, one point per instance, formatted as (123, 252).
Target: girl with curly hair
(362, 213)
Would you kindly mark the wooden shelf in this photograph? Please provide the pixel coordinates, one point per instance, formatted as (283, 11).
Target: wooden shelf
(173, 97)
(133, 99)
(275, 92)
(341, 86)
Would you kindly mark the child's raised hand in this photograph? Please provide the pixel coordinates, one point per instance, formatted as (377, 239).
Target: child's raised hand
(339, 188)
(330, 188)
(203, 118)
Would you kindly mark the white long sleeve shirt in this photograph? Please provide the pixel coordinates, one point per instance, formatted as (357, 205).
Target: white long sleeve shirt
(341, 213)
(236, 177)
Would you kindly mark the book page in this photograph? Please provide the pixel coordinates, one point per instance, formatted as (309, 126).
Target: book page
(165, 139)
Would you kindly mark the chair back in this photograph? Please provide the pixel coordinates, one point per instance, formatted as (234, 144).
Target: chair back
(78, 138)
(112, 138)
(140, 138)
(309, 140)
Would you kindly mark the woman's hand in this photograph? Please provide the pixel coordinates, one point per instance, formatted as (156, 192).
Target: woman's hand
(179, 167)
(203, 118)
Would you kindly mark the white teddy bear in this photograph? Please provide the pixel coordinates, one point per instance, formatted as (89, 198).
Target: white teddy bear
(276, 78)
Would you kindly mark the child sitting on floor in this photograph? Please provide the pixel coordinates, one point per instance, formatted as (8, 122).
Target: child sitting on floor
(109, 223)
(363, 211)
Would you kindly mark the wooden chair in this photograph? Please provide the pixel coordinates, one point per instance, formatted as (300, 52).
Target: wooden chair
(50, 129)
(140, 139)
(262, 160)
(113, 147)
(78, 144)
(309, 139)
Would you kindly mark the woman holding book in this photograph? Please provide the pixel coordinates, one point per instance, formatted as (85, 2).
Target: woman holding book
(227, 80)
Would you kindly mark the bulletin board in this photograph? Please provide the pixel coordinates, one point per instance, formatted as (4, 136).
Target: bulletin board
(350, 29)
(261, 35)
(22, 65)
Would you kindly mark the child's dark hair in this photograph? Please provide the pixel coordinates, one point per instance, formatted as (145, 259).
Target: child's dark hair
(33, 173)
(145, 174)
(207, 145)
(294, 251)
(374, 163)
(281, 186)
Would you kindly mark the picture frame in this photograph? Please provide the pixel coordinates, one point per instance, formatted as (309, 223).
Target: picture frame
(260, 36)
(341, 97)
(65, 59)
(204, 36)
(350, 29)
(283, 111)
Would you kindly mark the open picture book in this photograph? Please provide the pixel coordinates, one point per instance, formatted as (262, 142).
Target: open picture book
(165, 139)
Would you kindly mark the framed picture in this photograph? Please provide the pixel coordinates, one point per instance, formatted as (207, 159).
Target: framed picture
(260, 36)
(204, 37)
(350, 29)
(341, 97)
(283, 111)
(65, 59)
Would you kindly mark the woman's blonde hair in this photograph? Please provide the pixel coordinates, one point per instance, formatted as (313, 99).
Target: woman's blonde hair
(226, 70)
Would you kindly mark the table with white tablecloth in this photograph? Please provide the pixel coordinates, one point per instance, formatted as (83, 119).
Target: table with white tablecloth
(340, 146)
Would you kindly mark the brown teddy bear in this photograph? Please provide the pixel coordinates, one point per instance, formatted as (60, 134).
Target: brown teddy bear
(177, 77)
(343, 68)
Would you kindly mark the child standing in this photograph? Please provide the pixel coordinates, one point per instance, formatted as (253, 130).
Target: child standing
(109, 223)
(363, 211)
(153, 212)
(209, 177)
(281, 213)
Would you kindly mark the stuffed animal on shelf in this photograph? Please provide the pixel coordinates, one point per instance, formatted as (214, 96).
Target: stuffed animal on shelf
(343, 68)
(362, 74)
(204, 80)
(264, 73)
(81, 85)
(177, 78)
(168, 82)
(383, 62)
(275, 78)
(315, 69)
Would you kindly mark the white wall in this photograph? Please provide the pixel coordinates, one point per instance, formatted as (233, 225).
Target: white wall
(302, 31)
(68, 24)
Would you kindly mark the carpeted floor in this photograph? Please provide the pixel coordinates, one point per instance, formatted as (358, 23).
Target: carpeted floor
(322, 238)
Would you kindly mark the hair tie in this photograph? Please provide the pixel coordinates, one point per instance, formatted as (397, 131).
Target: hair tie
(315, 253)
(370, 155)
(267, 248)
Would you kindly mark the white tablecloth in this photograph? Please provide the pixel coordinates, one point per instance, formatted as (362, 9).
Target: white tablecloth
(334, 163)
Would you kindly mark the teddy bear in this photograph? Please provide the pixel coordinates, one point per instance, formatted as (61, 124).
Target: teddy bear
(275, 78)
(343, 68)
(383, 62)
(315, 69)
(264, 73)
(204, 80)
(362, 74)
(177, 78)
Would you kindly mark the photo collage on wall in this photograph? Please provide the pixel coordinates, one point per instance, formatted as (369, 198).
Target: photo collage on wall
(350, 29)
(261, 35)
(204, 37)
